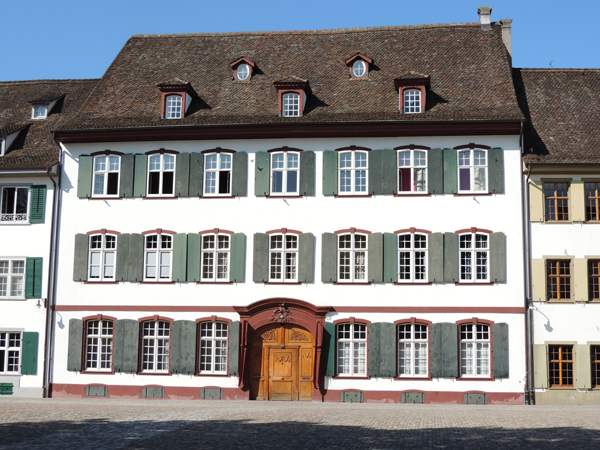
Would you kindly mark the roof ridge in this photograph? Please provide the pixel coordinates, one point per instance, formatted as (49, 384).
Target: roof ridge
(49, 81)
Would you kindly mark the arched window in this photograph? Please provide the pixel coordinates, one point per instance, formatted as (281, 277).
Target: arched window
(285, 167)
(474, 260)
(412, 171)
(161, 175)
(173, 105)
(158, 257)
(103, 257)
(353, 167)
(352, 257)
(213, 347)
(359, 68)
(351, 349)
(283, 257)
(412, 101)
(475, 344)
(215, 257)
(472, 170)
(106, 175)
(156, 337)
(412, 258)
(413, 355)
(291, 104)
(98, 345)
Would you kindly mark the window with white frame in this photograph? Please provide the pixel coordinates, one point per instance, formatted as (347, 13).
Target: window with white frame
(103, 257)
(412, 257)
(353, 167)
(291, 104)
(412, 350)
(475, 350)
(474, 249)
(12, 278)
(472, 171)
(412, 171)
(155, 346)
(285, 168)
(217, 174)
(15, 204)
(106, 175)
(359, 68)
(215, 257)
(173, 107)
(99, 345)
(39, 111)
(352, 349)
(352, 257)
(283, 258)
(412, 101)
(161, 175)
(243, 72)
(10, 352)
(213, 348)
(158, 256)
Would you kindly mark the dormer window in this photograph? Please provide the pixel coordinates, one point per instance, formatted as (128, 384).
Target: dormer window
(412, 101)
(42, 106)
(411, 92)
(177, 95)
(243, 72)
(291, 104)
(242, 69)
(292, 97)
(359, 66)
(173, 107)
(39, 111)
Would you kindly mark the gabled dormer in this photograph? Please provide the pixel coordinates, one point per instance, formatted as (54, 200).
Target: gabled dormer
(177, 95)
(292, 93)
(242, 69)
(42, 106)
(8, 135)
(359, 65)
(412, 87)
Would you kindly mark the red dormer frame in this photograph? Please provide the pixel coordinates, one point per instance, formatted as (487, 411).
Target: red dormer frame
(420, 83)
(366, 59)
(176, 87)
(300, 87)
(236, 63)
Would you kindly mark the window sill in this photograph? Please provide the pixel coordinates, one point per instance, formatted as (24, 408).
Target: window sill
(399, 283)
(220, 375)
(473, 284)
(157, 282)
(561, 388)
(12, 298)
(166, 197)
(214, 282)
(558, 222)
(342, 377)
(349, 283)
(566, 300)
(213, 197)
(476, 379)
(353, 196)
(105, 198)
(284, 196)
(156, 374)
(282, 283)
(464, 194)
(97, 373)
(413, 378)
(100, 282)
(412, 195)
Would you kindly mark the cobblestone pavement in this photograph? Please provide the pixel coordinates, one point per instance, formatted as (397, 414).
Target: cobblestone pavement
(169, 424)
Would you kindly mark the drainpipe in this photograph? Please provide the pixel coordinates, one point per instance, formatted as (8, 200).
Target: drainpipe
(528, 293)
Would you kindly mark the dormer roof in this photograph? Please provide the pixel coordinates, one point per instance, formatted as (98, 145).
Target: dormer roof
(46, 98)
(241, 60)
(361, 56)
(177, 85)
(292, 82)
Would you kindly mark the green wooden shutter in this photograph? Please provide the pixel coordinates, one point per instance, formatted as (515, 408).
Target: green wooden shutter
(84, 179)
(496, 170)
(196, 174)
(435, 171)
(389, 170)
(307, 173)
(387, 350)
(237, 273)
(498, 258)
(583, 366)
(500, 340)
(182, 174)
(37, 208)
(234, 348)
(260, 273)
(450, 171)
(239, 173)
(330, 173)
(262, 174)
(329, 349)
(435, 351)
(390, 258)
(30, 353)
(375, 173)
(193, 257)
(126, 346)
(436, 258)
(75, 345)
(374, 350)
(375, 256)
(135, 271)
(183, 347)
(450, 258)
(329, 246)
(80, 266)
(126, 176)
(306, 263)
(121, 272)
(139, 178)
(33, 278)
(179, 258)
(449, 350)
(540, 366)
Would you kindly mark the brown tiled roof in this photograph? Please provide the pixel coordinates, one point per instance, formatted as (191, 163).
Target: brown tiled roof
(469, 69)
(35, 147)
(562, 107)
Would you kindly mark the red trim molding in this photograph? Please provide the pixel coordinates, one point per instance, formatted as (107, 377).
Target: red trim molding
(472, 146)
(412, 147)
(473, 230)
(162, 151)
(213, 319)
(99, 317)
(352, 231)
(284, 231)
(216, 231)
(412, 230)
(475, 320)
(107, 152)
(156, 318)
(284, 149)
(352, 320)
(158, 231)
(103, 231)
(352, 148)
(413, 320)
(218, 150)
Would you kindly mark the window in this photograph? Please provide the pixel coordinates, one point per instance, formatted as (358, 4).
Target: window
(472, 171)
(217, 174)
(412, 350)
(353, 172)
(352, 349)
(103, 257)
(158, 257)
(155, 346)
(561, 365)
(412, 257)
(474, 251)
(556, 201)
(15, 205)
(594, 279)
(106, 175)
(283, 258)
(412, 101)
(243, 72)
(412, 171)
(215, 257)
(10, 352)
(359, 68)
(39, 111)
(558, 277)
(291, 104)
(12, 278)
(592, 202)
(475, 350)
(284, 173)
(213, 347)
(352, 257)
(595, 355)
(99, 345)
(173, 108)
(161, 174)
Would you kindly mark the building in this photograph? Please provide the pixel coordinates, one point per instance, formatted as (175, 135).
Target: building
(314, 215)
(562, 169)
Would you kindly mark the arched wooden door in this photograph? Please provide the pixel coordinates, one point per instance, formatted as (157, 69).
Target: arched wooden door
(282, 364)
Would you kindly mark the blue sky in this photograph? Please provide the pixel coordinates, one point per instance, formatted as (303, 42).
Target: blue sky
(79, 38)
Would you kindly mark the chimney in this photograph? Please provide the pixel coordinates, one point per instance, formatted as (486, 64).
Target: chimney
(506, 36)
(485, 17)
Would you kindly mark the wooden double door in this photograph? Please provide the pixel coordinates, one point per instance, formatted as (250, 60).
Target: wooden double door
(282, 364)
